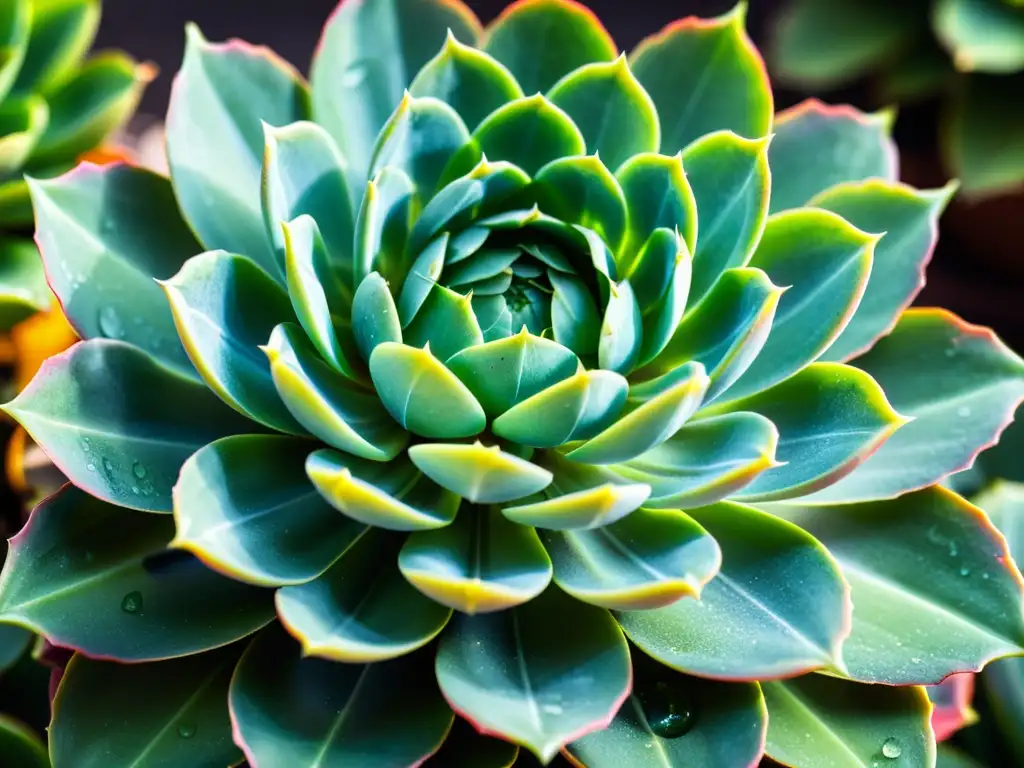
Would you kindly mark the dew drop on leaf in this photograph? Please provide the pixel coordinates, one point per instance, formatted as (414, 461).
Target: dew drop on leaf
(138, 470)
(132, 602)
(187, 730)
(110, 323)
(891, 749)
(668, 710)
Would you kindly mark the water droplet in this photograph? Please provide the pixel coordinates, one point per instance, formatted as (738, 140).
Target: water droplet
(138, 470)
(667, 709)
(108, 465)
(953, 551)
(110, 323)
(891, 749)
(963, 411)
(965, 571)
(552, 709)
(985, 576)
(132, 602)
(187, 730)
(354, 76)
(91, 467)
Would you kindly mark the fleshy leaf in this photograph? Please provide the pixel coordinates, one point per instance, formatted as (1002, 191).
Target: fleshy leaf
(374, 315)
(121, 597)
(716, 67)
(661, 277)
(579, 509)
(245, 507)
(361, 610)
(20, 745)
(479, 473)
(60, 37)
(422, 276)
(478, 564)
(15, 23)
(23, 122)
(539, 675)
(574, 319)
(619, 344)
(581, 190)
(383, 225)
(215, 140)
(445, 324)
(657, 195)
(983, 37)
(23, 288)
(287, 709)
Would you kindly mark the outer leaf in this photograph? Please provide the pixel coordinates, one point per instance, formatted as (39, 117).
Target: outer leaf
(171, 712)
(478, 564)
(215, 140)
(23, 288)
(957, 381)
(779, 606)
(119, 425)
(933, 592)
(909, 220)
(478, 473)
(719, 70)
(20, 745)
(581, 190)
(123, 597)
(13, 642)
(540, 675)
(541, 41)
(657, 195)
(245, 507)
(817, 146)
(23, 122)
(305, 713)
(368, 55)
(62, 32)
(987, 37)
(15, 21)
(104, 234)
(821, 722)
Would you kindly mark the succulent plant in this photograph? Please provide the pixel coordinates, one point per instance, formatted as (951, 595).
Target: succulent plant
(499, 389)
(968, 52)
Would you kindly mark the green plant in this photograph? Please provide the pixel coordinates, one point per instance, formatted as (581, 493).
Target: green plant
(969, 52)
(426, 415)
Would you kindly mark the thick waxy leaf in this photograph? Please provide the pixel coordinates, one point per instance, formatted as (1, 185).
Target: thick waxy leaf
(13, 643)
(705, 76)
(478, 564)
(23, 282)
(246, 508)
(649, 559)
(104, 234)
(619, 344)
(657, 195)
(984, 37)
(958, 382)
(830, 417)
(479, 473)
(446, 324)
(612, 110)
(332, 408)
(422, 395)
(169, 713)
(933, 590)
(383, 224)
(465, 747)
(575, 408)
(661, 277)
(15, 21)
(368, 55)
(361, 610)
(654, 411)
(565, 508)
(304, 174)
(778, 607)
(705, 461)
(731, 183)
(393, 495)
(503, 373)
(575, 322)
(224, 308)
(374, 315)
(674, 720)
(61, 34)
(215, 140)
(826, 262)
(23, 122)
(582, 190)
(305, 713)
(20, 745)
(123, 597)
(467, 79)
(539, 675)
(117, 424)
(817, 146)
(822, 722)
(541, 41)
(909, 219)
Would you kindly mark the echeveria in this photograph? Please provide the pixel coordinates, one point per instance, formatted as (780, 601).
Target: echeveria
(564, 396)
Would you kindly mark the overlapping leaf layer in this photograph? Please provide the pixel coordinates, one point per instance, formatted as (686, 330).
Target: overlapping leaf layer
(507, 377)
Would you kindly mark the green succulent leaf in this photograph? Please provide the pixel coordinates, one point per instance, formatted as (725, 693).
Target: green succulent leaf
(123, 597)
(374, 315)
(170, 712)
(482, 474)
(825, 262)
(383, 224)
(657, 195)
(574, 319)
(909, 220)
(118, 424)
(563, 508)
(393, 495)
(817, 146)
(581, 190)
(61, 33)
(105, 233)
(661, 276)
(446, 324)
(14, 641)
(648, 559)
(465, 747)
(958, 383)
(481, 563)
(778, 607)
(984, 37)
(672, 719)
(932, 588)
(215, 140)
(23, 287)
(541, 41)
(822, 722)
(539, 675)
(621, 338)
(225, 306)
(23, 122)
(20, 745)
(731, 183)
(719, 70)
(15, 22)
(361, 610)
(245, 507)
(287, 709)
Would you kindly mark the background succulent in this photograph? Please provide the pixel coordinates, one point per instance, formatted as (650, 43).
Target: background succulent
(971, 52)
(509, 389)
